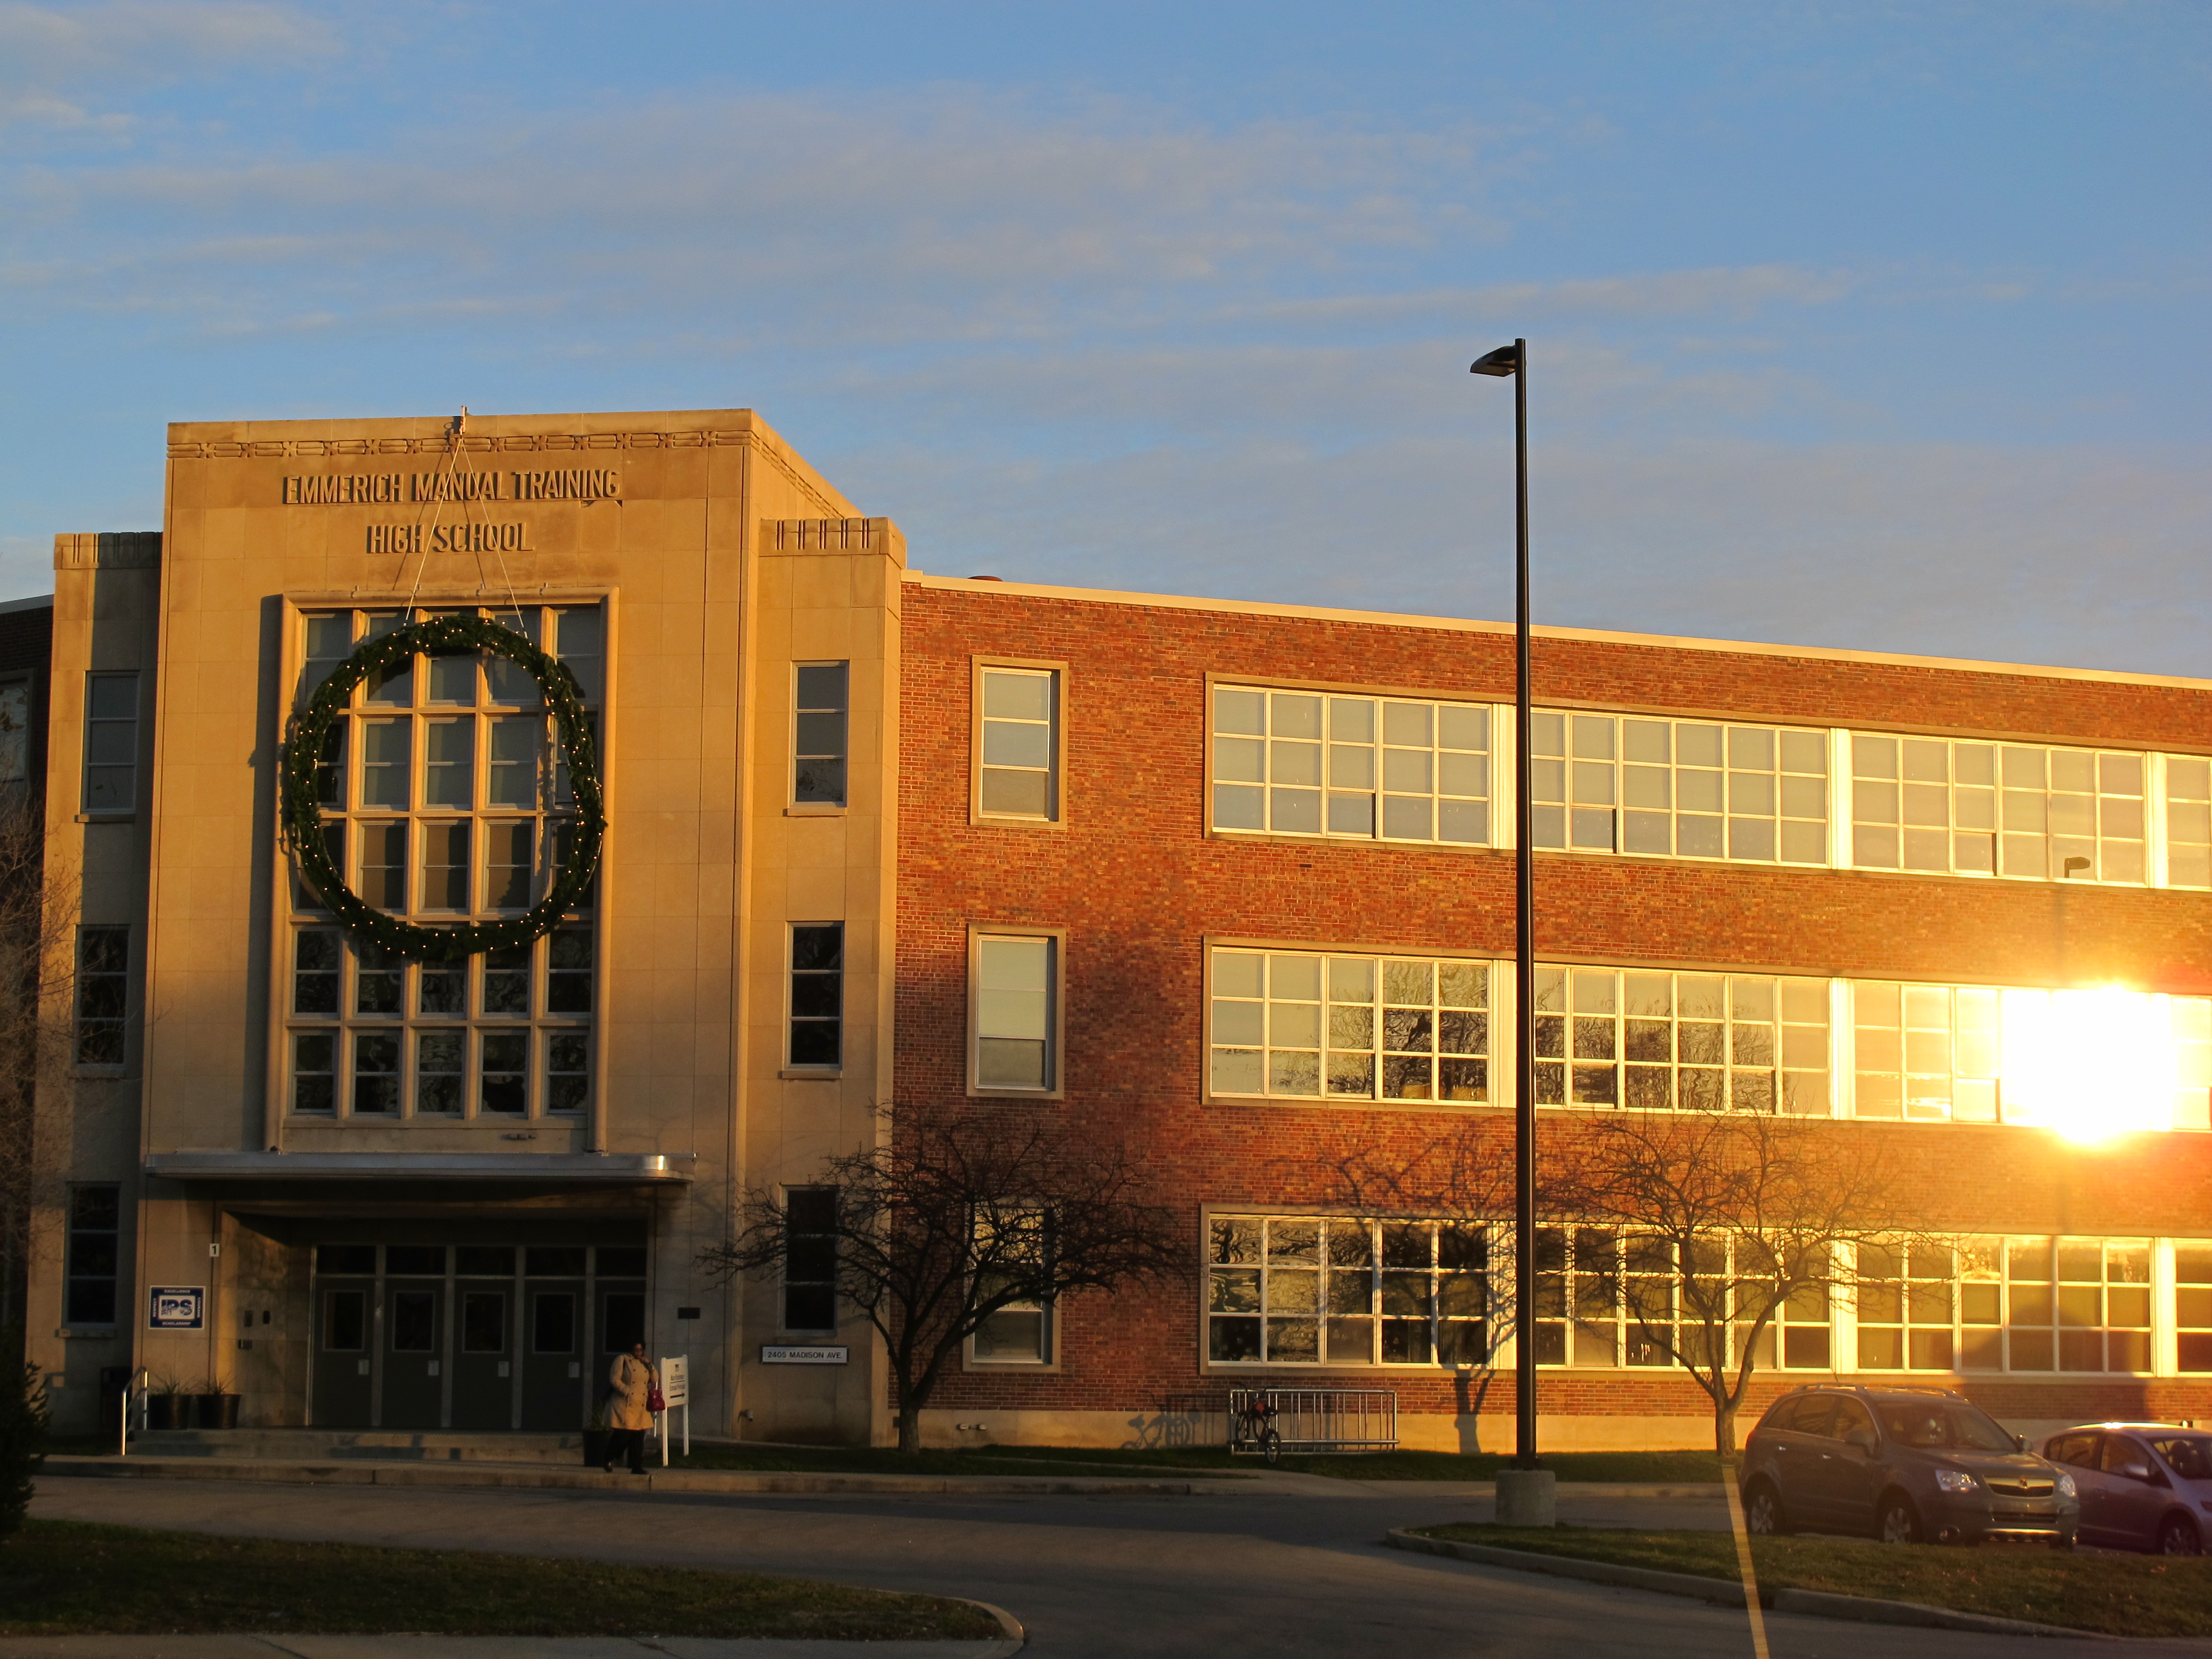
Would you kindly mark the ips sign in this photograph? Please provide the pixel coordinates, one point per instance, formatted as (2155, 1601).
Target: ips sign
(176, 1307)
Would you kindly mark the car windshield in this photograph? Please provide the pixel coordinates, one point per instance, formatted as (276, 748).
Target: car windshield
(2189, 1455)
(1943, 1426)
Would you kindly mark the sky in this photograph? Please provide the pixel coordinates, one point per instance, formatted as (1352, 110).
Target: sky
(1872, 326)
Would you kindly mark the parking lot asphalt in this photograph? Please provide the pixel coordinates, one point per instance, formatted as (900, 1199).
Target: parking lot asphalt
(1280, 1575)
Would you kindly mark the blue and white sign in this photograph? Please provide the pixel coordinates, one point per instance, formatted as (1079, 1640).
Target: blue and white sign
(176, 1307)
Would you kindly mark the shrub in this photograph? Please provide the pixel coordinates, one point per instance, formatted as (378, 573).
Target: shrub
(23, 1425)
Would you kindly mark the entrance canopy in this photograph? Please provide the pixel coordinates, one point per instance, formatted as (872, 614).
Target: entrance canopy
(563, 1169)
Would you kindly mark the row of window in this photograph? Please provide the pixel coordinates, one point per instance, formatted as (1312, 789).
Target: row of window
(1352, 1290)
(1298, 1024)
(1359, 1026)
(1303, 763)
(1340, 1291)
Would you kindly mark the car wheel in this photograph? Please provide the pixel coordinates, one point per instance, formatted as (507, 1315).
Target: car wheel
(1762, 1514)
(1900, 1522)
(2178, 1535)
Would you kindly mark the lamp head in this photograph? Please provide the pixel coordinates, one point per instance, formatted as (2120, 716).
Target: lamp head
(1506, 360)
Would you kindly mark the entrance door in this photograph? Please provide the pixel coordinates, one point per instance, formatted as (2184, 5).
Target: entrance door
(556, 1391)
(414, 1355)
(483, 1366)
(343, 1389)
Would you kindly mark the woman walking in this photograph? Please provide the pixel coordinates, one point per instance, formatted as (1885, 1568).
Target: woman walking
(631, 1382)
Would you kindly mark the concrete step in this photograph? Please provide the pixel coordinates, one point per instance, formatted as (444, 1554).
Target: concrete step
(383, 1445)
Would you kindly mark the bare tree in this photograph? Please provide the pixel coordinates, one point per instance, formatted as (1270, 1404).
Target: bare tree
(38, 911)
(1462, 1174)
(957, 1217)
(1704, 1223)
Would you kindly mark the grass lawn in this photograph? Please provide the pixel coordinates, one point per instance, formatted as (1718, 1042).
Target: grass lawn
(1031, 1461)
(61, 1577)
(1671, 1468)
(1211, 1462)
(2115, 1594)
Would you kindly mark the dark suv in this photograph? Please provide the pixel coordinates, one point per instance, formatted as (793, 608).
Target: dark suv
(1908, 1465)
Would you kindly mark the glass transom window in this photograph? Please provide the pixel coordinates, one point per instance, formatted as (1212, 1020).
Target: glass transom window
(1337, 1291)
(1361, 768)
(1307, 1025)
(1691, 789)
(444, 801)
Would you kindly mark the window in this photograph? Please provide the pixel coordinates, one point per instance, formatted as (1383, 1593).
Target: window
(95, 1224)
(2188, 822)
(14, 741)
(1362, 768)
(441, 785)
(1020, 1333)
(1577, 1309)
(1610, 1298)
(1905, 1307)
(1339, 1291)
(1015, 1005)
(819, 732)
(1692, 789)
(2042, 1304)
(111, 742)
(1017, 742)
(817, 994)
(2192, 1306)
(103, 987)
(1699, 1042)
(810, 1260)
(1927, 1051)
(1980, 1054)
(1947, 805)
(1301, 1025)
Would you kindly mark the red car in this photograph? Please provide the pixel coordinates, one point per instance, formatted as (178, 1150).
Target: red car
(2144, 1486)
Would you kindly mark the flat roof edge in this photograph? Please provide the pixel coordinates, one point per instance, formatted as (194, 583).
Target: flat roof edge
(1594, 635)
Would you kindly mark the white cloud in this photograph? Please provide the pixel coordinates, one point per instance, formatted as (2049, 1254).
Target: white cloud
(56, 60)
(935, 213)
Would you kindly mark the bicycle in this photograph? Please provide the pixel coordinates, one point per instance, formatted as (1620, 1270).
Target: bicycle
(1253, 1429)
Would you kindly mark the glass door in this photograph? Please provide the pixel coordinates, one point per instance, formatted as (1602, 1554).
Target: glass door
(343, 1393)
(484, 1380)
(556, 1394)
(414, 1337)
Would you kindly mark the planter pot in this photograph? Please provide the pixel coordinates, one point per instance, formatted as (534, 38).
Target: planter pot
(595, 1447)
(169, 1410)
(215, 1410)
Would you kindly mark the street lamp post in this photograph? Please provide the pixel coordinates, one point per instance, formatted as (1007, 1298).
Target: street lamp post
(1525, 1492)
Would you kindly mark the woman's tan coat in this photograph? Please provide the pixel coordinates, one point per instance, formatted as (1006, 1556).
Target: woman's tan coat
(630, 1378)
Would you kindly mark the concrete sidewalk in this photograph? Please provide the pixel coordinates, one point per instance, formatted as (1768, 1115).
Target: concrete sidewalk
(356, 1471)
(241, 1646)
(371, 1471)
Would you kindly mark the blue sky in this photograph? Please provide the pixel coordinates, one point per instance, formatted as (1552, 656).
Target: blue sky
(1871, 325)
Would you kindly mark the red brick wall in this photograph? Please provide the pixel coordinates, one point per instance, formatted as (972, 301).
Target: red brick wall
(1138, 884)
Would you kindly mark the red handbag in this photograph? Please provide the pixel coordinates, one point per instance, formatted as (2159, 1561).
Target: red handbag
(655, 1401)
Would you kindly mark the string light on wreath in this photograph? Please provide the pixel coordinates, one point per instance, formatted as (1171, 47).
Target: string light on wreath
(302, 807)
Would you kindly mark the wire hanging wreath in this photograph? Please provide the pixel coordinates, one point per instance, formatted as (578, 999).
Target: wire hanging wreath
(302, 811)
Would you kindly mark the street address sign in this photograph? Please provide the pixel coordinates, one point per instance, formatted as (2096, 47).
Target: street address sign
(785, 1353)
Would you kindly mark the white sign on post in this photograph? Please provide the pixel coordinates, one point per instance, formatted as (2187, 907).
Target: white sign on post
(675, 1390)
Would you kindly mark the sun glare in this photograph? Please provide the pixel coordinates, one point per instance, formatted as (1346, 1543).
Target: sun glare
(2089, 1065)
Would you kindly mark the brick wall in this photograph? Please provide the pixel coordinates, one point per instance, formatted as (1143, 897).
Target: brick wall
(1138, 884)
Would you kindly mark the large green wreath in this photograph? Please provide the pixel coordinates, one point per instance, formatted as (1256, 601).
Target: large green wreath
(302, 813)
